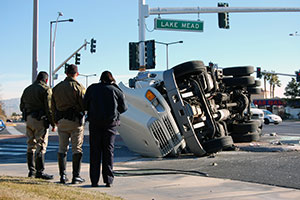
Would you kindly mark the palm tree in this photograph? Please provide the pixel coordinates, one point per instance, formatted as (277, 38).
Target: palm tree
(274, 81)
(267, 77)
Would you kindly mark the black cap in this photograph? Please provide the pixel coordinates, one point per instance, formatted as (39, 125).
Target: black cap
(71, 69)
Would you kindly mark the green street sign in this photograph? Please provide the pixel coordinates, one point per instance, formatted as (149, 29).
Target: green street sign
(178, 25)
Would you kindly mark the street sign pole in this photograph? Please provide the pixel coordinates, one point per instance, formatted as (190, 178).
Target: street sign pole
(145, 11)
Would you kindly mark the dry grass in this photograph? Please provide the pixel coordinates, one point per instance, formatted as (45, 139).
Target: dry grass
(15, 188)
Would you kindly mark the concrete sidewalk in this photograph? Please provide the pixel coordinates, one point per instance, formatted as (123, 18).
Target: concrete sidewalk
(169, 186)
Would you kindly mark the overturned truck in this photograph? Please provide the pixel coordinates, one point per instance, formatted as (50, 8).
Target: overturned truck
(189, 108)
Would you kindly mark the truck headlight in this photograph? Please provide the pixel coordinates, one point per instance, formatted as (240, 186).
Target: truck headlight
(152, 98)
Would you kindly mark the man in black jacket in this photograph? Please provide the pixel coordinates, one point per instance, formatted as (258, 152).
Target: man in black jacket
(104, 102)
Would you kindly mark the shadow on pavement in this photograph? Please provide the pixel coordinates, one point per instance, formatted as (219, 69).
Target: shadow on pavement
(13, 149)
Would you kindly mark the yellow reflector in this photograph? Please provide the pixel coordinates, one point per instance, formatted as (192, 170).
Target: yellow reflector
(149, 95)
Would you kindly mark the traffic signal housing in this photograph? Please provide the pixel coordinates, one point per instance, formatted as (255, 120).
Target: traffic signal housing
(134, 61)
(298, 76)
(77, 59)
(258, 72)
(150, 54)
(66, 67)
(93, 45)
(223, 17)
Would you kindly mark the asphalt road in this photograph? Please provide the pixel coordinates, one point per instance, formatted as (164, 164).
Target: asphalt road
(265, 167)
(287, 128)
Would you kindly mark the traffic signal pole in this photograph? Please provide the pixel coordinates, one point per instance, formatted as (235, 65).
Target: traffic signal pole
(195, 10)
(145, 11)
(62, 64)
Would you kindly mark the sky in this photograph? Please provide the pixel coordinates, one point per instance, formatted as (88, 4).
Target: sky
(254, 39)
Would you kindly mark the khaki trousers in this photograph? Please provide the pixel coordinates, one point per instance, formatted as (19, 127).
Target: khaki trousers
(67, 130)
(37, 135)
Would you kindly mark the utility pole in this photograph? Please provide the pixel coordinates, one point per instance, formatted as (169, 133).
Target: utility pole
(35, 39)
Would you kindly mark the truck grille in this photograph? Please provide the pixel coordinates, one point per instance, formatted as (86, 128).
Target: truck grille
(170, 128)
(167, 139)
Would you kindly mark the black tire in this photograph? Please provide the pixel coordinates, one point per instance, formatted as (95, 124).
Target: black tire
(239, 81)
(247, 127)
(254, 90)
(217, 144)
(266, 121)
(187, 68)
(238, 71)
(248, 137)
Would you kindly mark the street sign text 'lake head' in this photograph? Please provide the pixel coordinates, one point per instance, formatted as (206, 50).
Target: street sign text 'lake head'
(178, 25)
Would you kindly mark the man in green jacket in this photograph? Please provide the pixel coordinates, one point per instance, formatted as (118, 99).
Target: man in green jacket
(36, 107)
(69, 115)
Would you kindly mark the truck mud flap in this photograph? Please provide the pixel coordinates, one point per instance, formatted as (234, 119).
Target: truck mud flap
(180, 114)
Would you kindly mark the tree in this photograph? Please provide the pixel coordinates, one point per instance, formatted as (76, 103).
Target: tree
(292, 89)
(274, 81)
(2, 112)
(267, 77)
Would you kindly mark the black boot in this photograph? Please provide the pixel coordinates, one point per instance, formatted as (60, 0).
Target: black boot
(30, 164)
(62, 163)
(39, 164)
(76, 168)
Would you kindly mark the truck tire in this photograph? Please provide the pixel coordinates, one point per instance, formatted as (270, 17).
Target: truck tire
(217, 144)
(238, 71)
(187, 68)
(247, 127)
(247, 137)
(239, 81)
(254, 90)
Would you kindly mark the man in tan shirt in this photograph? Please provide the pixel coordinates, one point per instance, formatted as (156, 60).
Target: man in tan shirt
(69, 112)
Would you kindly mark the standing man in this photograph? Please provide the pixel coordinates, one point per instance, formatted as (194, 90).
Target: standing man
(104, 102)
(36, 108)
(69, 112)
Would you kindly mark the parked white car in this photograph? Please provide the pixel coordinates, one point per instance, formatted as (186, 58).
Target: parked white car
(269, 117)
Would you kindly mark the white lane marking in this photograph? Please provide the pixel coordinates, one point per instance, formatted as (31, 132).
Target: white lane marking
(15, 149)
(13, 131)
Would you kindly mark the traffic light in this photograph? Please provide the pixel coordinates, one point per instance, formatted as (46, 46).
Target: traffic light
(258, 72)
(223, 17)
(298, 76)
(66, 67)
(134, 61)
(93, 45)
(150, 54)
(77, 59)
